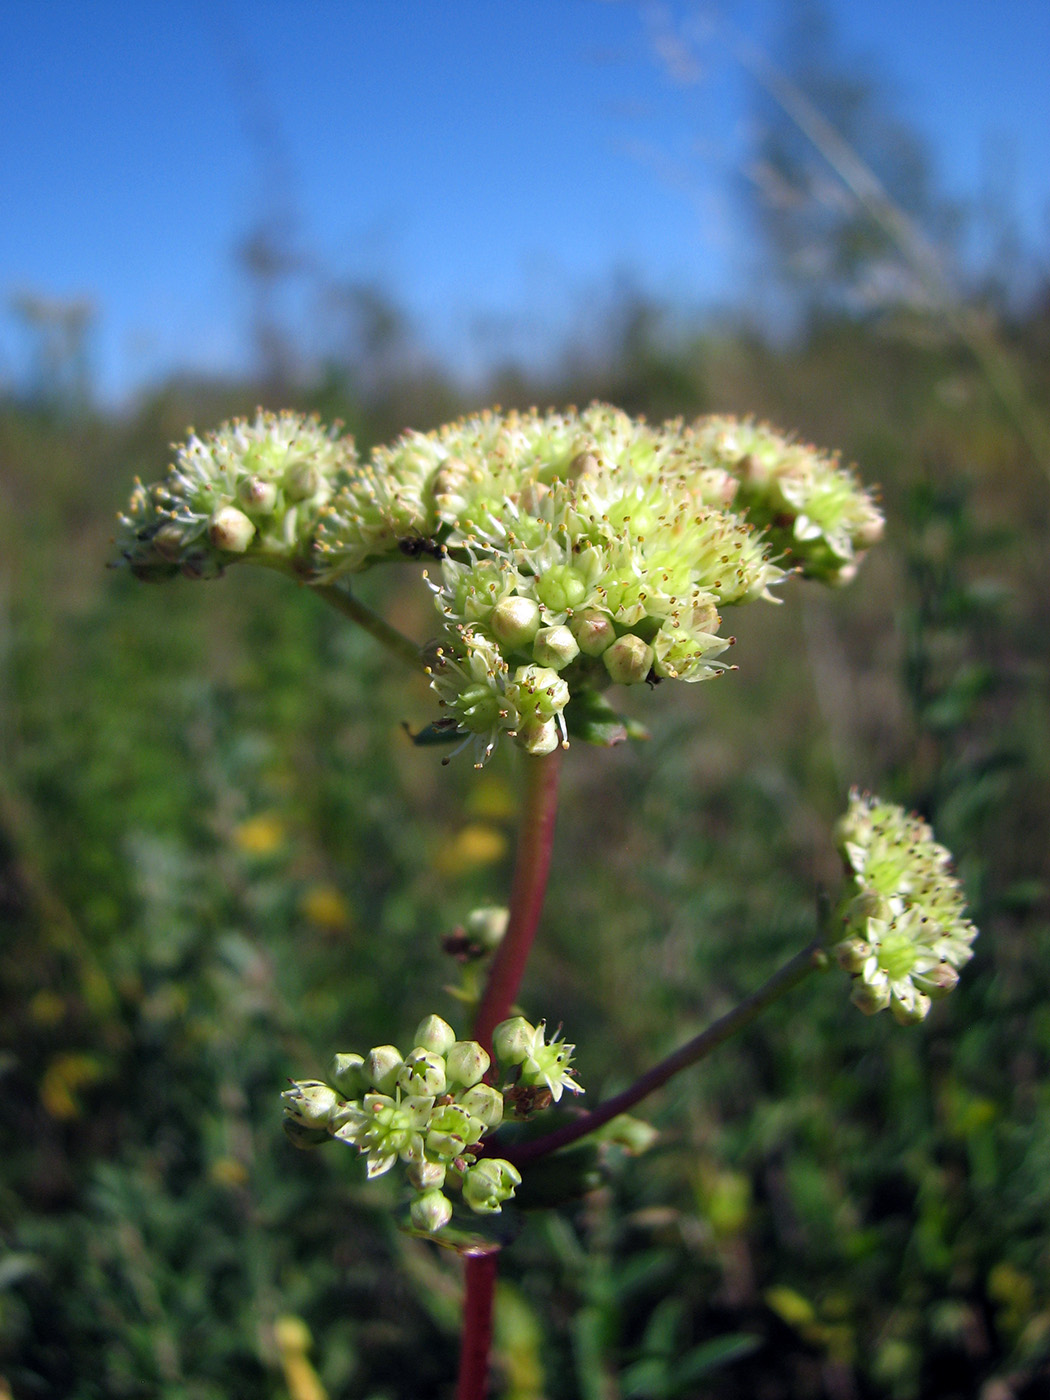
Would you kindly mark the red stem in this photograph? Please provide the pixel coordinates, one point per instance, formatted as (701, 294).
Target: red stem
(480, 1271)
(800, 966)
(535, 843)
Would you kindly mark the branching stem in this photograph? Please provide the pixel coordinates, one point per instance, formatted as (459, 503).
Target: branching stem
(344, 601)
(796, 970)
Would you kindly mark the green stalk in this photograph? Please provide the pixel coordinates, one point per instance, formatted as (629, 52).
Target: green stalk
(394, 641)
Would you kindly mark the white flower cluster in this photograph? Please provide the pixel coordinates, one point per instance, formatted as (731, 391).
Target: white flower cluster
(572, 551)
(905, 931)
(431, 1108)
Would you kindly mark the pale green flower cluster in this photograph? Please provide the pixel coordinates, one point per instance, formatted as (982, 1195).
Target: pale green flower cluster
(572, 551)
(813, 511)
(905, 930)
(253, 491)
(430, 1109)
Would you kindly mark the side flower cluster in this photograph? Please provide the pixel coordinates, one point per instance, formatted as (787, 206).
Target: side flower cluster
(905, 933)
(571, 551)
(252, 491)
(431, 1108)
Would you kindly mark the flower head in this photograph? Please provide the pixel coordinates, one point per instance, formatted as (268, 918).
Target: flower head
(246, 491)
(905, 933)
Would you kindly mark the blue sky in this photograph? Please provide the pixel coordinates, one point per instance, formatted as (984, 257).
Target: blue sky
(493, 163)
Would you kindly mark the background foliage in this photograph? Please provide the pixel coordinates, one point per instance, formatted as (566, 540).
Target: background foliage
(221, 859)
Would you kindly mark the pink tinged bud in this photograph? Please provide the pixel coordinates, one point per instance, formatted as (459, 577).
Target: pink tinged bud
(583, 464)
(555, 647)
(466, 1063)
(231, 530)
(424, 1175)
(435, 1034)
(629, 660)
(168, 540)
(515, 621)
(539, 737)
(512, 1040)
(382, 1067)
(938, 982)
(258, 495)
(593, 631)
(431, 1212)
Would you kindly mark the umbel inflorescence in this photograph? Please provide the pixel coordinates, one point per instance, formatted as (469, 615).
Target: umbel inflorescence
(566, 552)
(905, 934)
(432, 1107)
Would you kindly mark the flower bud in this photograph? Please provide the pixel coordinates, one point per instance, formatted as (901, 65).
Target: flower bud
(512, 1040)
(561, 588)
(869, 997)
(422, 1073)
(489, 1183)
(593, 630)
(852, 953)
(435, 1034)
(555, 647)
(347, 1074)
(466, 1062)
(451, 1130)
(938, 982)
(539, 736)
(299, 1135)
(583, 464)
(310, 1102)
(302, 480)
(258, 494)
(485, 1104)
(431, 1211)
(486, 926)
(168, 541)
(514, 621)
(629, 660)
(382, 1066)
(231, 530)
(424, 1175)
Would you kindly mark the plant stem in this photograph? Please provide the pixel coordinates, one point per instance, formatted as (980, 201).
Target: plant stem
(535, 843)
(394, 641)
(480, 1272)
(800, 966)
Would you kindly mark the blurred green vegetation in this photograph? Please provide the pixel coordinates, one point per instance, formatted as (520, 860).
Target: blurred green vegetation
(221, 859)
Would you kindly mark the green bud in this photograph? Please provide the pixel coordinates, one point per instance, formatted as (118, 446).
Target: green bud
(629, 660)
(231, 530)
(299, 1135)
(169, 540)
(485, 1104)
(561, 588)
(310, 1102)
(512, 1040)
(424, 1175)
(302, 480)
(431, 1211)
(938, 982)
(486, 926)
(347, 1074)
(258, 495)
(451, 1130)
(593, 630)
(852, 953)
(555, 647)
(466, 1062)
(489, 1183)
(382, 1066)
(422, 1073)
(514, 621)
(539, 736)
(870, 998)
(435, 1034)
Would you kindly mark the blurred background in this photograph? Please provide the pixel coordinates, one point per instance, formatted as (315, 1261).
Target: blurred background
(221, 859)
